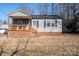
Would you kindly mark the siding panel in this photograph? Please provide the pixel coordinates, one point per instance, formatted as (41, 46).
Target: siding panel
(41, 28)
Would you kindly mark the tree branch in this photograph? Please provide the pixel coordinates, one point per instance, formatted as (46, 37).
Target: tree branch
(18, 50)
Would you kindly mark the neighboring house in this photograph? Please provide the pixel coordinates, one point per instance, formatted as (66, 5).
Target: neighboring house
(4, 29)
(4, 26)
(24, 24)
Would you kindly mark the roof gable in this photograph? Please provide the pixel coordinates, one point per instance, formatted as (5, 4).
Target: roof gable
(18, 13)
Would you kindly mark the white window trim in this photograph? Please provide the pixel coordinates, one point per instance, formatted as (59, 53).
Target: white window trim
(50, 23)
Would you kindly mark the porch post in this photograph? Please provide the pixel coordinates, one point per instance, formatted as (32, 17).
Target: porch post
(8, 20)
(29, 22)
(12, 21)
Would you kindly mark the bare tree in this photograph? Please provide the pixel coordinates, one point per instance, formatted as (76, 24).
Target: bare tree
(5, 22)
(0, 22)
(18, 50)
(67, 12)
(24, 8)
(2, 47)
(52, 8)
(43, 9)
(71, 10)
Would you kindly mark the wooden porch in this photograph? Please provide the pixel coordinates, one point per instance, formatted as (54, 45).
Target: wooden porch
(20, 25)
(13, 27)
(22, 30)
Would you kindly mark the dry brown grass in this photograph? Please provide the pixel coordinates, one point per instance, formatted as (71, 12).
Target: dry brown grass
(66, 44)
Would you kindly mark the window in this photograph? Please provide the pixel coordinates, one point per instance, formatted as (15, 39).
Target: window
(52, 24)
(36, 23)
(59, 22)
(55, 23)
(44, 24)
(48, 23)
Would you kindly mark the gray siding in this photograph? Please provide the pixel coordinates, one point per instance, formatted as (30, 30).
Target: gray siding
(41, 27)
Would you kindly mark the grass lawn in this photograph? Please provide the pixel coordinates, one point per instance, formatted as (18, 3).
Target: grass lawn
(66, 44)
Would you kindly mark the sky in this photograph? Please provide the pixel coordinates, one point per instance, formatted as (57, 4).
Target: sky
(6, 8)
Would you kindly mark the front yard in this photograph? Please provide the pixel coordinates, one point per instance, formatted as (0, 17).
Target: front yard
(66, 44)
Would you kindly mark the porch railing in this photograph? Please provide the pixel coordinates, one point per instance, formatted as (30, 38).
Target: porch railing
(23, 27)
(18, 27)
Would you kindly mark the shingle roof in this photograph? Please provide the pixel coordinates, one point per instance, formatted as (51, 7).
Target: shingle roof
(46, 17)
(21, 13)
(18, 13)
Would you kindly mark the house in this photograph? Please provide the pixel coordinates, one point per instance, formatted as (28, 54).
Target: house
(24, 24)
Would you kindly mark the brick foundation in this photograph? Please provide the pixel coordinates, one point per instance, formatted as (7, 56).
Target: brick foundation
(49, 33)
(21, 33)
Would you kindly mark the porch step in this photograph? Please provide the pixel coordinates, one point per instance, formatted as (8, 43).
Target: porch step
(34, 31)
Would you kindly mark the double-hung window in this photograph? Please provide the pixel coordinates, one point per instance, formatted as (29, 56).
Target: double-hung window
(53, 23)
(48, 23)
(44, 23)
(36, 23)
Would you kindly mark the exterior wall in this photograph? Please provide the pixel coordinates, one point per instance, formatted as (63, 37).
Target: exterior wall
(48, 29)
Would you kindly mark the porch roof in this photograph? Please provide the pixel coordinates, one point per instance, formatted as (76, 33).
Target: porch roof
(19, 15)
